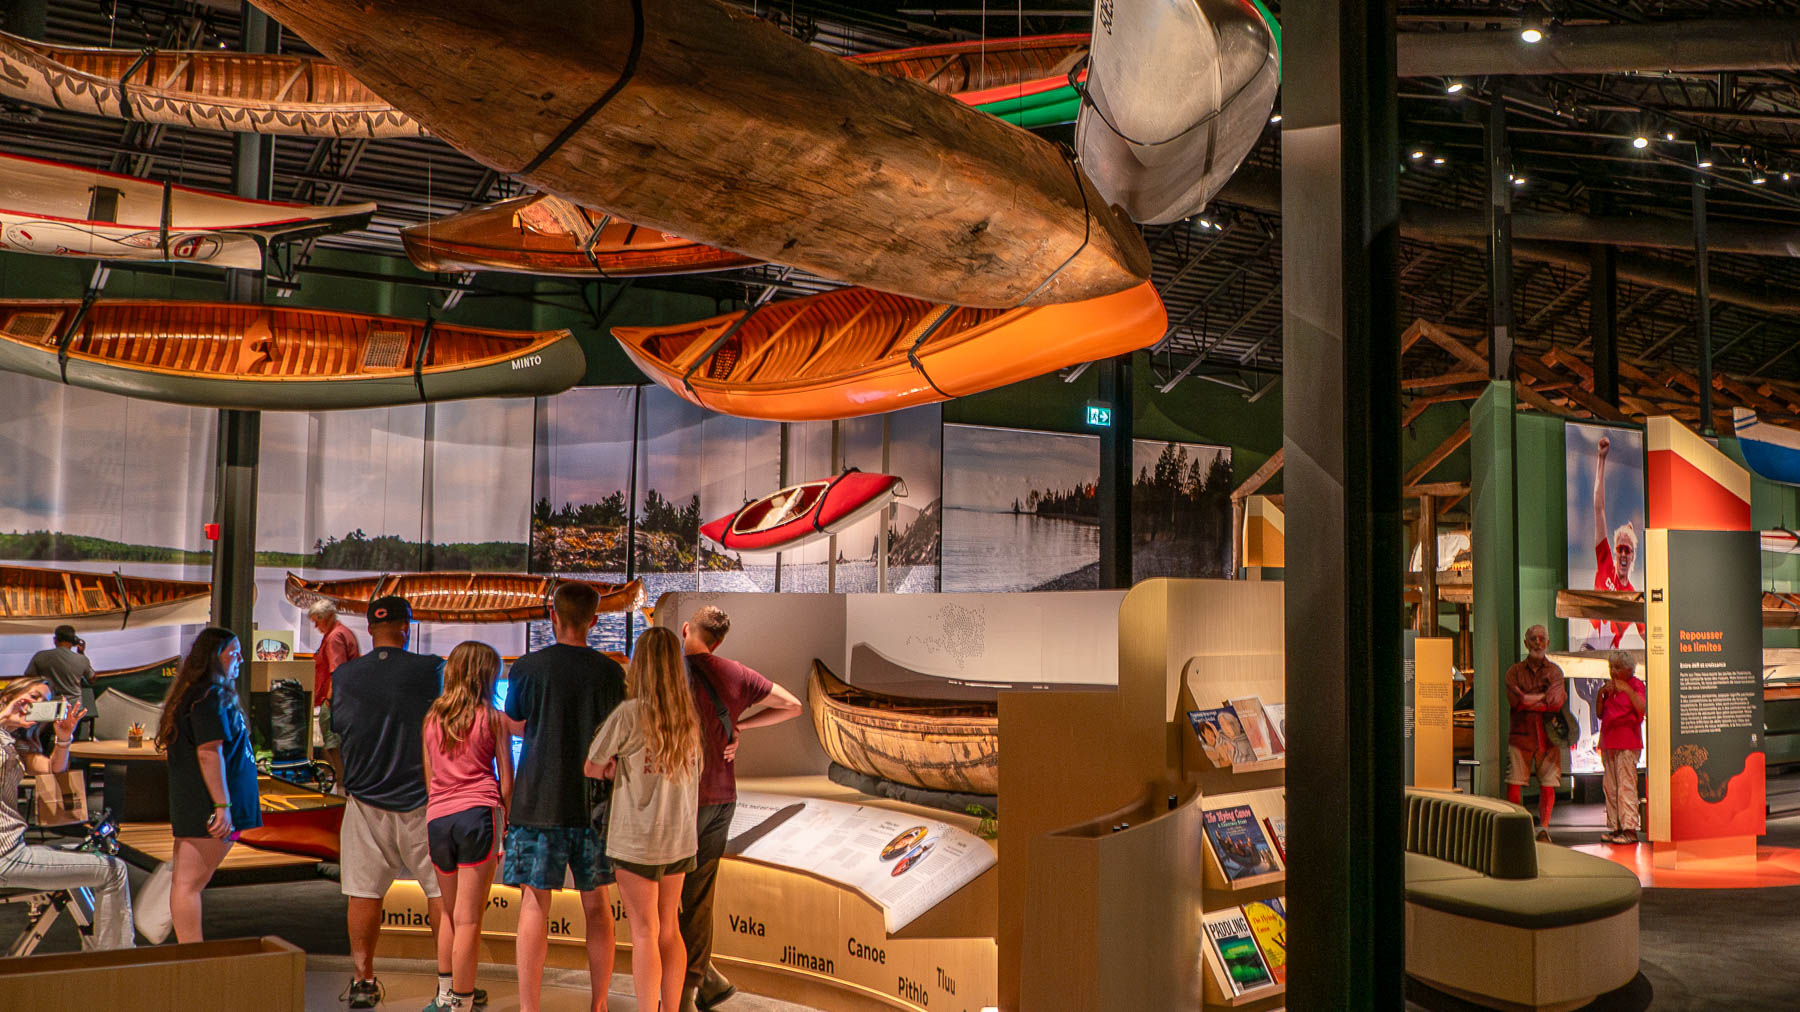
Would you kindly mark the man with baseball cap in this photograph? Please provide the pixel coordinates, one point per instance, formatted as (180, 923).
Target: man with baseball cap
(378, 704)
(68, 671)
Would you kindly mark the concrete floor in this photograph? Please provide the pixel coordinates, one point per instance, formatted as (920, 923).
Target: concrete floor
(410, 984)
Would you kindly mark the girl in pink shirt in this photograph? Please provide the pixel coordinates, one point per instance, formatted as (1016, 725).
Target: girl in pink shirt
(468, 777)
(1621, 703)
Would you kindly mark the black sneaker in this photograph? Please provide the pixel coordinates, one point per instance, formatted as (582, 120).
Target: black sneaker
(480, 998)
(362, 993)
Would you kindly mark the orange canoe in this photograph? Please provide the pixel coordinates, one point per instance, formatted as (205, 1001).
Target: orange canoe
(856, 351)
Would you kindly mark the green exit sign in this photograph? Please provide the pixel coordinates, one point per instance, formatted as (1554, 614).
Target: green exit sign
(1099, 415)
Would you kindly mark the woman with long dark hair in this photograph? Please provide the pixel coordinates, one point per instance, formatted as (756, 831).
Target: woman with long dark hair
(212, 771)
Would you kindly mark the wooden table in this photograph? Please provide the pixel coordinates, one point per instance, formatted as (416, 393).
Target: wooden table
(137, 779)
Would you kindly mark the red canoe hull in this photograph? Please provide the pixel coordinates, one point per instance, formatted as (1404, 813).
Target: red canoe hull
(829, 506)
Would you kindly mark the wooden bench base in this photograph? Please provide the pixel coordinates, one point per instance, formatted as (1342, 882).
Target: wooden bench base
(1518, 969)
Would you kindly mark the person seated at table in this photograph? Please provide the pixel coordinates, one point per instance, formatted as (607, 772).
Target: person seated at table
(27, 866)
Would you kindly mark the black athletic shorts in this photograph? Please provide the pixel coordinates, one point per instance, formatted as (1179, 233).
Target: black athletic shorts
(462, 840)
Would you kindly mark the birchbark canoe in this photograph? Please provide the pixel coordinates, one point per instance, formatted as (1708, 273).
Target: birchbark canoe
(53, 209)
(1178, 91)
(939, 745)
(458, 596)
(1779, 610)
(697, 119)
(801, 514)
(35, 600)
(211, 89)
(852, 352)
(272, 357)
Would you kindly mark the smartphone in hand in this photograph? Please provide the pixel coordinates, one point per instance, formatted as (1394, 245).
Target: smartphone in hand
(48, 710)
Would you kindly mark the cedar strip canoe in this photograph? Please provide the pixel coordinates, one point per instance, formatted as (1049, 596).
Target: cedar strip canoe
(940, 745)
(730, 133)
(1179, 91)
(1779, 610)
(801, 514)
(956, 68)
(34, 601)
(53, 209)
(845, 353)
(272, 357)
(541, 234)
(211, 89)
(458, 597)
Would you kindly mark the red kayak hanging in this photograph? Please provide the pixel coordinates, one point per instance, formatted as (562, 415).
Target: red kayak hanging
(803, 513)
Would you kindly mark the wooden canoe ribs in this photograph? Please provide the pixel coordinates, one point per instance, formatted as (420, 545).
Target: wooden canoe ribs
(458, 597)
(939, 745)
(861, 177)
(208, 89)
(269, 357)
(1779, 610)
(33, 601)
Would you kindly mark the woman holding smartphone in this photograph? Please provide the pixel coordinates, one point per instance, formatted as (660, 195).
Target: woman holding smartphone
(212, 771)
(23, 866)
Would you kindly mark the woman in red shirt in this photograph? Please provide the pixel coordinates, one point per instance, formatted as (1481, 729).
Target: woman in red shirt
(1622, 704)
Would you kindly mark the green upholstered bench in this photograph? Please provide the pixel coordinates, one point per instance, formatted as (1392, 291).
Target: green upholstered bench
(1497, 918)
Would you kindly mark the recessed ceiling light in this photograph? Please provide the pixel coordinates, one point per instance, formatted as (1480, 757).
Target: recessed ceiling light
(1275, 118)
(1453, 87)
(1518, 180)
(1668, 135)
(1640, 142)
(1757, 178)
(1531, 35)
(1417, 153)
(1439, 160)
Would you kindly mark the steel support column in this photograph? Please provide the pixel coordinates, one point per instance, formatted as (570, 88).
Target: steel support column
(1603, 321)
(1341, 446)
(1703, 302)
(1499, 245)
(1115, 475)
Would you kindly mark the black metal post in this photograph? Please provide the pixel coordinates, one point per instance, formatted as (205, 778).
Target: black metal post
(1341, 422)
(1500, 261)
(1115, 474)
(1603, 320)
(631, 508)
(1703, 302)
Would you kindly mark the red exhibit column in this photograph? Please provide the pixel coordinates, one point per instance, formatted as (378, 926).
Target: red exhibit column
(1704, 669)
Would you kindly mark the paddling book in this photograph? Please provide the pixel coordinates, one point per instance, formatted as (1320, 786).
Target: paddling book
(1238, 842)
(1222, 736)
(1263, 739)
(1228, 932)
(1268, 922)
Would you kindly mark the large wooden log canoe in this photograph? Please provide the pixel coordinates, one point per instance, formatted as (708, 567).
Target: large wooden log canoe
(209, 89)
(35, 600)
(855, 351)
(52, 209)
(694, 118)
(458, 597)
(272, 357)
(940, 745)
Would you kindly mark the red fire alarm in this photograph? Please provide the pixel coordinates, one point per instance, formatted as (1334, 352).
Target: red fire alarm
(212, 532)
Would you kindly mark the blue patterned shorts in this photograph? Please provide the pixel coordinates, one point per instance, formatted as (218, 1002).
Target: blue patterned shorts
(538, 856)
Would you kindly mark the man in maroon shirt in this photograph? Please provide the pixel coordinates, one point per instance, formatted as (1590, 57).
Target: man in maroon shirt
(722, 689)
(337, 644)
(1534, 688)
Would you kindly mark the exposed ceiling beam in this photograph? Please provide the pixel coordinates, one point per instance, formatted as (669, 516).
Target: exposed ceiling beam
(1693, 46)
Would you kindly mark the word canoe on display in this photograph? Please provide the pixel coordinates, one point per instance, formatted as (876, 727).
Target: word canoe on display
(937, 744)
(856, 351)
(211, 89)
(53, 209)
(646, 112)
(1178, 91)
(37, 599)
(458, 597)
(222, 355)
(804, 513)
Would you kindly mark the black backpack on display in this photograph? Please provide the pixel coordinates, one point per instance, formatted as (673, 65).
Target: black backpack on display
(289, 720)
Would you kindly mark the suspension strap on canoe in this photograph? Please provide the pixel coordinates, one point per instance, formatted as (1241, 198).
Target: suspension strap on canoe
(848, 471)
(912, 353)
(68, 335)
(587, 248)
(713, 349)
(1087, 229)
(419, 359)
(143, 57)
(625, 75)
(168, 199)
(1210, 120)
(124, 599)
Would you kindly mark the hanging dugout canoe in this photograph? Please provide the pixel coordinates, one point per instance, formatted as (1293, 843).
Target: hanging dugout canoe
(1779, 610)
(939, 745)
(694, 118)
(542, 234)
(858, 352)
(211, 89)
(458, 597)
(271, 357)
(34, 601)
(801, 514)
(1178, 91)
(53, 209)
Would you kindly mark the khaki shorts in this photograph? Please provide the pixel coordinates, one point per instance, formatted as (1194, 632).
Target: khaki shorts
(378, 846)
(1546, 764)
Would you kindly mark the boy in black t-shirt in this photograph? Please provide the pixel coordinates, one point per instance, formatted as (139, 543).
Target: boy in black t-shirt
(562, 693)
